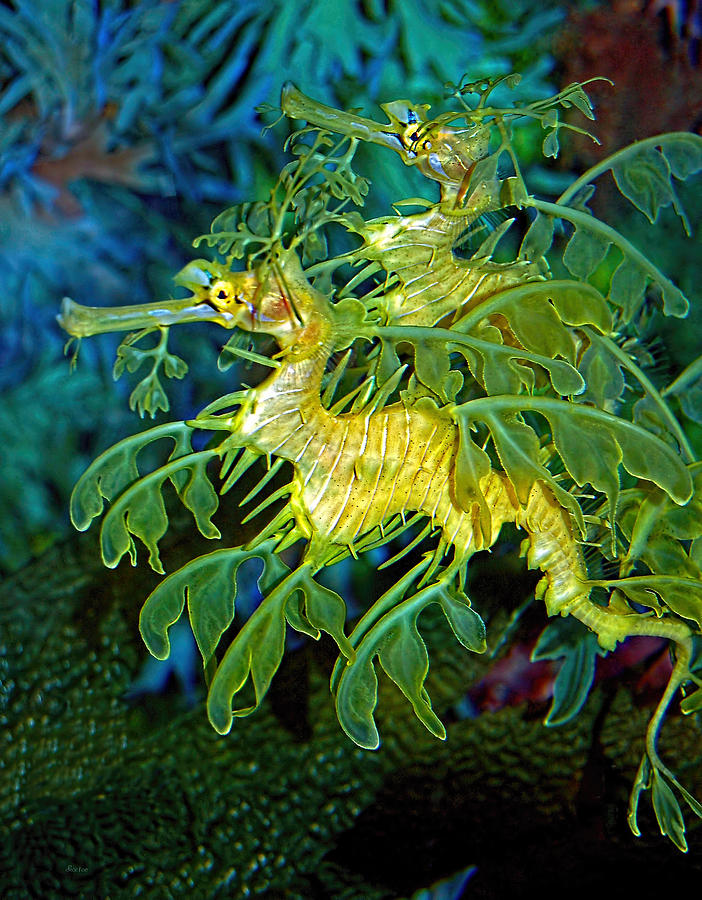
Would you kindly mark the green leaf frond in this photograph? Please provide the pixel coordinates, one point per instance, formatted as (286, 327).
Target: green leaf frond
(136, 501)
(578, 646)
(644, 173)
(116, 469)
(591, 444)
(388, 632)
(149, 396)
(141, 511)
(687, 387)
(296, 599)
(657, 530)
(312, 192)
(587, 248)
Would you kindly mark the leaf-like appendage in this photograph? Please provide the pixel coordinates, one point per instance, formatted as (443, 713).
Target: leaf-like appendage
(681, 595)
(538, 326)
(255, 653)
(538, 238)
(501, 369)
(498, 367)
(590, 442)
(149, 396)
(235, 228)
(584, 252)
(471, 466)
(431, 364)
(628, 287)
(140, 510)
(692, 703)
(466, 624)
(209, 585)
(538, 311)
(603, 375)
(644, 171)
(667, 810)
(257, 650)
(656, 528)
(404, 658)
(393, 637)
(321, 174)
(578, 646)
(665, 804)
(518, 449)
(115, 469)
(688, 388)
(587, 248)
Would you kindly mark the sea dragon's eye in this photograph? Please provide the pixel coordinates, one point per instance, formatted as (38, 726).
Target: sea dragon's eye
(221, 293)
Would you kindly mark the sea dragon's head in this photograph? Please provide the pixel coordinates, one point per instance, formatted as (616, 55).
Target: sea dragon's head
(443, 152)
(272, 298)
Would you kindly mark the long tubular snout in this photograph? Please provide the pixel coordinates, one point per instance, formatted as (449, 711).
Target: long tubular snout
(297, 105)
(83, 321)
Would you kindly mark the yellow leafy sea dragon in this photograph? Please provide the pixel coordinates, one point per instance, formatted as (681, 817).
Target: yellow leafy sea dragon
(475, 390)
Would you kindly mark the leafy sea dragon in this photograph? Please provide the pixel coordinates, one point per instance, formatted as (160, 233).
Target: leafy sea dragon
(473, 401)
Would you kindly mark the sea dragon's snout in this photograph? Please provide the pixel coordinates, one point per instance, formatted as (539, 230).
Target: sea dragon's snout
(441, 151)
(82, 321)
(205, 279)
(297, 105)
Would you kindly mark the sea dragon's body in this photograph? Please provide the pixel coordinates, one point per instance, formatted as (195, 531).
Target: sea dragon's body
(356, 472)
(407, 447)
(435, 285)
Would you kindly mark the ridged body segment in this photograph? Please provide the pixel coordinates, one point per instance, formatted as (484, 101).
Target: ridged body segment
(553, 549)
(355, 472)
(435, 282)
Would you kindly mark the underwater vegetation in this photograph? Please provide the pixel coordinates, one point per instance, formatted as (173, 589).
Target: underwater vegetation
(434, 376)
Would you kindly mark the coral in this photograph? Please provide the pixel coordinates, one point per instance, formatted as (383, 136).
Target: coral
(101, 795)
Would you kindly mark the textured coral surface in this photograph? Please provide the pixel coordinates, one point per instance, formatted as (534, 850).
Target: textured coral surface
(100, 797)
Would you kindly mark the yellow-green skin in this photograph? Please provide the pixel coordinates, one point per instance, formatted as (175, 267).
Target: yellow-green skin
(356, 471)
(435, 284)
